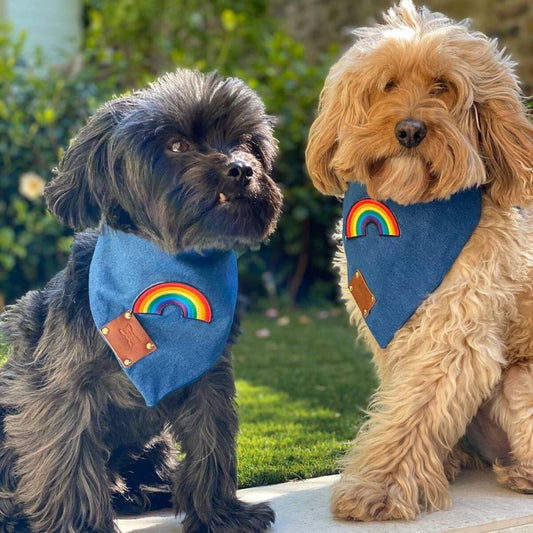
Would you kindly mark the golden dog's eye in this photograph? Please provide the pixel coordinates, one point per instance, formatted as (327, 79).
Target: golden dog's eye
(178, 146)
(390, 85)
(440, 86)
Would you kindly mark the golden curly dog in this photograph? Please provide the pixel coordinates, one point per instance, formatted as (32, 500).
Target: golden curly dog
(468, 348)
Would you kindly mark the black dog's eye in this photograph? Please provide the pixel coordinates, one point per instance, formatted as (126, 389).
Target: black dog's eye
(440, 86)
(390, 85)
(178, 146)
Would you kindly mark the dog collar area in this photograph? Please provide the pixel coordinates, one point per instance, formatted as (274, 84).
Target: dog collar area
(398, 255)
(166, 317)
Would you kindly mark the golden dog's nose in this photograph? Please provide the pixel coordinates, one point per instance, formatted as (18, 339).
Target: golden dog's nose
(410, 132)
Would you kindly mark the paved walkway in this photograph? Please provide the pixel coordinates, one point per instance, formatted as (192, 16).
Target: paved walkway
(480, 505)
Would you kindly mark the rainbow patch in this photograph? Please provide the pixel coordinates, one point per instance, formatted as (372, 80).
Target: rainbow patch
(191, 301)
(369, 211)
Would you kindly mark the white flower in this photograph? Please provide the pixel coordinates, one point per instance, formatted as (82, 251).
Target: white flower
(31, 185)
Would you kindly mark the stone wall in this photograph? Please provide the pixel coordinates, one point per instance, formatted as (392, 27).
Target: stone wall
(320, 23)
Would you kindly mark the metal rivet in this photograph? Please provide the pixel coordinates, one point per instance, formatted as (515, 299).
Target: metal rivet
(365, 313)
(105, 331)
(373, 298)
(350, 288)
(357, 275)
(127, 315)
(127, 362)
(149, 345)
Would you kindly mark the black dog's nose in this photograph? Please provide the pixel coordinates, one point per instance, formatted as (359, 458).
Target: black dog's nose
(240, 171)
(410, 132)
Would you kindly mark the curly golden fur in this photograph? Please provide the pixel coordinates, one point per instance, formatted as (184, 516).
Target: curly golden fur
(463, 363)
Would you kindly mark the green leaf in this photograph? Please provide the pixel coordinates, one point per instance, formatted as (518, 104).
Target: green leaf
(229, 20)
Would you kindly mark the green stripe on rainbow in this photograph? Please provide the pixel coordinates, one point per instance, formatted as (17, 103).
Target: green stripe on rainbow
(190, 300)
(369, 211)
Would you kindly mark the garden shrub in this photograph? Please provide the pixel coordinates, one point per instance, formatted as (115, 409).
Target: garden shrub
(38, 114)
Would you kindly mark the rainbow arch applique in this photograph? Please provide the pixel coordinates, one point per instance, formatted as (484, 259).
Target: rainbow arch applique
(191, 301)
(369, 211)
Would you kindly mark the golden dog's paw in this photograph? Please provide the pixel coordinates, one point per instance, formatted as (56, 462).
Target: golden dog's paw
(517, 477)
(461, 458)
(355, 498)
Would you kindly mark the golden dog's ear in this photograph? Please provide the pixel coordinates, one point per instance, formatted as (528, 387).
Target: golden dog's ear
(322, 144)
(506, 144)
(337, 107)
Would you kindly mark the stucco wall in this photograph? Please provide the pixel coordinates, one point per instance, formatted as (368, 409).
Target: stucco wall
(52, 25)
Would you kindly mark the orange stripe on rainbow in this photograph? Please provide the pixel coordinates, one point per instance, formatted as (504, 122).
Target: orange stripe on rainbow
(190, 300)
(369, 211)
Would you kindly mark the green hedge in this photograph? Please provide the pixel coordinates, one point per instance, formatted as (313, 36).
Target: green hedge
(127, 44)
(38, 114)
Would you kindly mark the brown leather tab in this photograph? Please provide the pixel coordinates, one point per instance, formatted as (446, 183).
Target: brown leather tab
(362, 295)
(128, 339)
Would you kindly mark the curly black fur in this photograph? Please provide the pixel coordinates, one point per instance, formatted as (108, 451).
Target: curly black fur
(185, 163)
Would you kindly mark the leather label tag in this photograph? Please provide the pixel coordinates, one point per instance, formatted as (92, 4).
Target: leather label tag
(128, 339)
(362, 295)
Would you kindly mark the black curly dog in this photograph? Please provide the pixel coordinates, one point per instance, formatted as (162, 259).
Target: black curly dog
(185, 163)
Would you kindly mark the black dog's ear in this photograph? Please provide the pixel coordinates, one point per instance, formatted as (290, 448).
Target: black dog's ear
(77, 193)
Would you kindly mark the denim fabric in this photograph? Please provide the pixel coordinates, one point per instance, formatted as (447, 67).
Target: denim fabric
(123, 266)
(401, 271)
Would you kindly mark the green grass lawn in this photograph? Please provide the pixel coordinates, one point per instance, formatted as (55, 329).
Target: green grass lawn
(3, 352)
(301, 391)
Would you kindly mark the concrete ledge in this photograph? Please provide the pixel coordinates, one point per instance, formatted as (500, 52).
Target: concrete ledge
(480, 505)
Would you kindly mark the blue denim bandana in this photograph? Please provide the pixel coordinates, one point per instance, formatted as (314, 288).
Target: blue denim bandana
(397, 255)
(167, 318)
